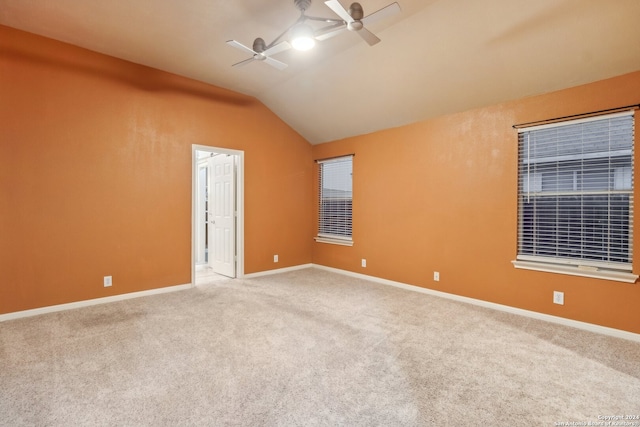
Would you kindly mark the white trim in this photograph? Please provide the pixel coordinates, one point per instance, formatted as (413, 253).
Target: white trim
(581, 270)
(334, 241)
(277, 271)
(91, 302)
(577, 121)
(570, 262)
(239, 205)
(617, 333)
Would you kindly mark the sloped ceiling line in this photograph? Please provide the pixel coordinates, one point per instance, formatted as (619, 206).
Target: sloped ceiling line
(436, 57)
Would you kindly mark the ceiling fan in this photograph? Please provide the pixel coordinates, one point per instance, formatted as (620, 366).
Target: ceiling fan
(260, 52)
(302, 36)
(354, 19)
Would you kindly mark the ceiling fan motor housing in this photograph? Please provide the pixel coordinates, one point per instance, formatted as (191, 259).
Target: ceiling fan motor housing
(356, 12)
(259, 45)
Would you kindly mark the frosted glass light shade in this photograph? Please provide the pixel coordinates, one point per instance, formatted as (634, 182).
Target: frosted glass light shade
(302, 37)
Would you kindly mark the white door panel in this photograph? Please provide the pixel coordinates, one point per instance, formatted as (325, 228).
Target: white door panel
(222, 215)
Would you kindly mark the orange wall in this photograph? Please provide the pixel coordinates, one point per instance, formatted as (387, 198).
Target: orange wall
(95, 180)
(441, 195)
(95, 174)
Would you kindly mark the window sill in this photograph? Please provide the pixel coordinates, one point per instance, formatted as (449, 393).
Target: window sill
(342, 242)
(618, 276)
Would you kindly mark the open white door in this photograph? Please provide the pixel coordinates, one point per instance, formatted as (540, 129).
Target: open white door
(222, 215)
(217, 223)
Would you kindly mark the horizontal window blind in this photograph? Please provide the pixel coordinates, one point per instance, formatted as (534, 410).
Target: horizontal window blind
(335, 190)
(575, 192)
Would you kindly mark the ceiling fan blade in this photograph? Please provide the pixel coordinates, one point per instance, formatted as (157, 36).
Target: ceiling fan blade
(275, 63)
(280, 47)
(368, 36)
(240, 46)
(241, 63)
(330, 31)
(339, 10)
(385, 12)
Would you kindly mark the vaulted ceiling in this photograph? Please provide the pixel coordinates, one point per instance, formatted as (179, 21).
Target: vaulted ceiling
(436, 57)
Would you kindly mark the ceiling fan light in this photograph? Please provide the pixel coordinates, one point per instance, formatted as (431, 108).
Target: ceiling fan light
(302, 37)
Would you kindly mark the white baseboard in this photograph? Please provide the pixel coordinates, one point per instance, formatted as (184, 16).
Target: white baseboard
(121, 297)
(88, 303)
(277, 271)
(521, 312)
(505, 308)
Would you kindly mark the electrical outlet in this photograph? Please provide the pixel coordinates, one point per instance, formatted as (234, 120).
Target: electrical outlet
(275, 258)
(364, 262)
(108, 281)
(436, 276)
(558, 297)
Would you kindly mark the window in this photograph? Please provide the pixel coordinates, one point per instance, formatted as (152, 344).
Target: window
(335, 200)
(575, 197)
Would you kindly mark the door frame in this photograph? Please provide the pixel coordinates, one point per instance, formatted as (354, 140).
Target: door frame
(239, 190)
(199, 212)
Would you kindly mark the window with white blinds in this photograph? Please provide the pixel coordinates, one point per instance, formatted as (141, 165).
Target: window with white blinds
(575, 192)
(335, 201)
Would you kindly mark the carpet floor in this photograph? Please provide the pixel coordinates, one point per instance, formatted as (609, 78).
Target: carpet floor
(308, 348)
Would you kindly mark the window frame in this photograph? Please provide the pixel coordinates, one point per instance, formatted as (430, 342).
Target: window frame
(345, 214)
(564, 264)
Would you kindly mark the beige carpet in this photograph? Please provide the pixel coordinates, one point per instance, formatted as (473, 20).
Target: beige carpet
(308, 347)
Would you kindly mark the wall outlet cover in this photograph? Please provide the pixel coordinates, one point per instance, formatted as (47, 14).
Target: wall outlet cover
(558, 297)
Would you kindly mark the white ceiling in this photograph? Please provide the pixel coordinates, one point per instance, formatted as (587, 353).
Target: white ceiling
(436, 57)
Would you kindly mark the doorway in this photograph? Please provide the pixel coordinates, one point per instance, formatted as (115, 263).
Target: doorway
(217, 214)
